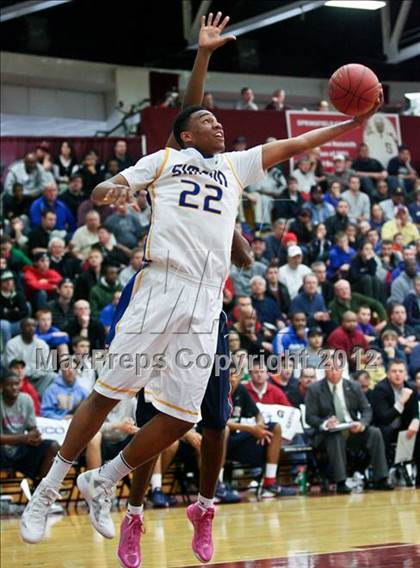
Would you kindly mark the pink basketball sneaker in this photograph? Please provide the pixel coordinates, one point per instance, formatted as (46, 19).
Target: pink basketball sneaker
(201, 520)
(129, 551)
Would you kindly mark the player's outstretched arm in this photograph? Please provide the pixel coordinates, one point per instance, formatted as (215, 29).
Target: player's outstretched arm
(281, 150)
(209, 39)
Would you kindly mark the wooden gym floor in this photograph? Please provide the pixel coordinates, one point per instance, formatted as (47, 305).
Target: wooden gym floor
(370, 530)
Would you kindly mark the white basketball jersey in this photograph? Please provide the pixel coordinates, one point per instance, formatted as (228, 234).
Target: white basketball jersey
(194, 203)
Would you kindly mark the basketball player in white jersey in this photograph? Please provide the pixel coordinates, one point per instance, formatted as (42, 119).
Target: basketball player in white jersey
(176, 301)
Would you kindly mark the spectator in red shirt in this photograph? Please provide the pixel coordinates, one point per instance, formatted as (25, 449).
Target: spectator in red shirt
(41, 281)
(261, 390)
(18, 367)
(347, 338)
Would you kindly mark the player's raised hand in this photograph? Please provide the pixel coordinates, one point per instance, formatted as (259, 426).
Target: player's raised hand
(363, 117)
(210, 36)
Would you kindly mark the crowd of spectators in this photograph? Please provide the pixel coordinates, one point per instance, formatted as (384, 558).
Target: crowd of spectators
(336, 266)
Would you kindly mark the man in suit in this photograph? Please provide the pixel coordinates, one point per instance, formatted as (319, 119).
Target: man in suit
(333, 401)
(395, 409)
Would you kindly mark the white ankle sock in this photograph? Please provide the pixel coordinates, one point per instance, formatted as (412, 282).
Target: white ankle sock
(156, 481)
(115, 469)
(271, 470)
(204, 502)
(221, 475)
(132, 510)
(58, 471)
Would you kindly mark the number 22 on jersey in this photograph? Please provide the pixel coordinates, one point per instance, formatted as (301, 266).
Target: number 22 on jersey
(186, 196)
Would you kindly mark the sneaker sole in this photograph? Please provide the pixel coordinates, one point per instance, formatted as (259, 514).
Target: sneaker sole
(121, 563)
(83, 487)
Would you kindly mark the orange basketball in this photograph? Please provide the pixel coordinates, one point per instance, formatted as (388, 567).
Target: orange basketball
(353, 89)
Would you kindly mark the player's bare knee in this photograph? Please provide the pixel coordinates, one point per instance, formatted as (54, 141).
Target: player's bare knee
(276, 431)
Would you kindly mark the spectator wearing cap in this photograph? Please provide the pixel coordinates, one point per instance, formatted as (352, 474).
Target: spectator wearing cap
(266, 307)
(359, 203)
(41, 281)
(292, 273)
(65, 220)
(303, 227)
(290, 200)
(246, 101)
(136, 260)
(65, 165)
(102, 293)
(13, 307)
(389, 206)
(108, 312)
(400, 167)
(17, 366)
(73, 196)
(241, 277)
(51, 334)
(412, 304)
(404, 284)
(22, 447)
(305, 176)
(401, 224)
(61, 261)
(363, 273)
(15, 259)
(273, 242)
(125, 226)
(258, 247)
(320, 210)
(121, 155)
(85, 326)
(310, 302)
(32, 350)
(319, 247)
(349, 339)
(293, 339)
(62, 307)
(29, 174)
(341, 172)
(341, 255)
(370, 170)
(39, 237)
(338, 222)
(346, 300)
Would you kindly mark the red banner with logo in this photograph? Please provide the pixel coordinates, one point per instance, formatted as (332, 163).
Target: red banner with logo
(381, 133)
